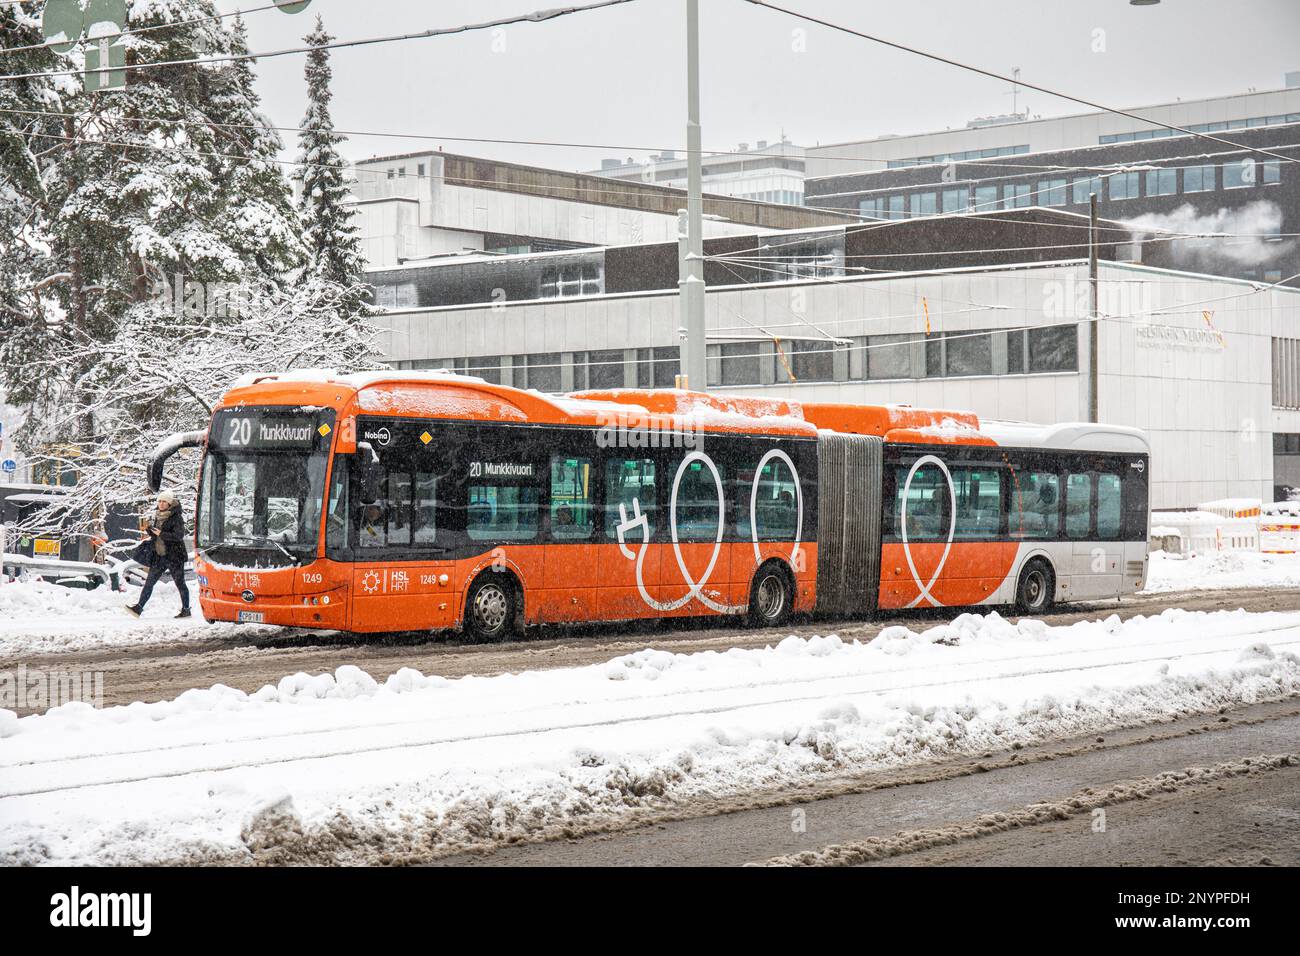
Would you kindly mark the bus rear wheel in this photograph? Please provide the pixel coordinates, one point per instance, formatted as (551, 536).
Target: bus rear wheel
(490, 609)
(771, 598)
(1036, 589)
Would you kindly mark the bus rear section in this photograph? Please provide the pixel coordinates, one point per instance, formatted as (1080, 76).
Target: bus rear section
(975, 513)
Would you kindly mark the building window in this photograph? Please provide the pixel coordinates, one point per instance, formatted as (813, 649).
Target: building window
(889, 356)
(1272, 171)
(873, 208)
(657, 368)
(1049, 348)
(1083, 188)
(419, 170)
(1124, 186)
(1051, 192)
(1198, 179)
(1162, 182)
(923, 204)
(542, 372)
(1238, 175)
(811, 361)
(986, 198)
(955, 200)
(967, 353)
(741, 363)
(1286, 373)
(486, 367)
(605, 369)
(1016, 195)
(897, 207)
(560, 282)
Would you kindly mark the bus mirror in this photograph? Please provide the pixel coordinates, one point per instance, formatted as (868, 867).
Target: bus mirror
(368, 462)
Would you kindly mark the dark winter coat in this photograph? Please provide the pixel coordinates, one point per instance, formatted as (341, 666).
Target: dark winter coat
(173, 536)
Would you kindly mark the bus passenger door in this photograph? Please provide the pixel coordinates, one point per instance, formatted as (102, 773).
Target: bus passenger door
(628, 566)
(571, 567)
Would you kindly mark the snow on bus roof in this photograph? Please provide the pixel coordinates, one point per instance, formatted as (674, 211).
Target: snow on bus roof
(1081, 436)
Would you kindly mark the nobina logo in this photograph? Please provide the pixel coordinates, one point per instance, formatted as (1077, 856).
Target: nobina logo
(103, 909)
(383, 436)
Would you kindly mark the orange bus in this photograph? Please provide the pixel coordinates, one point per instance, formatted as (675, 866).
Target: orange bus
(402, 501)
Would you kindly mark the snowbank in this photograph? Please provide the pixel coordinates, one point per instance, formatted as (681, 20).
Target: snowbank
(37, 617)
(1214, 570)
(345, 768)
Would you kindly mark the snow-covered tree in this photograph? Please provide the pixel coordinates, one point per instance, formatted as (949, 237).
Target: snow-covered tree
(166, 368)
(167, 185)
(31, 277)
(333, 240)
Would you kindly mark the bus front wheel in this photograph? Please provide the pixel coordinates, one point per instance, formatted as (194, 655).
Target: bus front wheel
(490, 608)
(771, 598)
(1037, 587)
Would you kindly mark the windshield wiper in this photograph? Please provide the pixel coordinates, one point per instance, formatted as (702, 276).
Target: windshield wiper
(271, 541)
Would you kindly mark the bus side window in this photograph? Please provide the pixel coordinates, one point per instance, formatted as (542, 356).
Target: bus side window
(572, 515)
(502, 512)
(776, 507)
(1036, 505)
(697, 500)
(979, 502)
(628, 480)
(1108, 506)
(927, 504)
(1078, 505)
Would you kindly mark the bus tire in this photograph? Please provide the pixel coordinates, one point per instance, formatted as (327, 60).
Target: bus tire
(1036, 587)
(771, 596)
(491, 608)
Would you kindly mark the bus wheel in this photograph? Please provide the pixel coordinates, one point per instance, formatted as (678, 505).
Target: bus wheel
(771, 598)
(1036, 588)
(490, 608)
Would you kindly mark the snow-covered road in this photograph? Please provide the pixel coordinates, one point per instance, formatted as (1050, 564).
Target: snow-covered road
(341, 766)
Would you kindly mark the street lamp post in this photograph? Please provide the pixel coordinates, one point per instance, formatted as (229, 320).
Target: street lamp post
(692, 270)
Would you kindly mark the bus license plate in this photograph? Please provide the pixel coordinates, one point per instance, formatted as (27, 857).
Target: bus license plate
(251, 617)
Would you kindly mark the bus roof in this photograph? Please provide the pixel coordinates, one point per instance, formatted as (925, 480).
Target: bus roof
(442, 394)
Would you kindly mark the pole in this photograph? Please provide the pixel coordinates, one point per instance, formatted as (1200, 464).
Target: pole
(694, 366)
(1094, 311)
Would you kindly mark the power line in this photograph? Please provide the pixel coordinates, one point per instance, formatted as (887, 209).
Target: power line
(1006, 79)
(537, 16)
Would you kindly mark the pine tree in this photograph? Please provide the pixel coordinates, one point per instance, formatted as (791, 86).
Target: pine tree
(333, 240)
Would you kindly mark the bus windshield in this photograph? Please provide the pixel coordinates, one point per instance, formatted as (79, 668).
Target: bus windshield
(263, 485)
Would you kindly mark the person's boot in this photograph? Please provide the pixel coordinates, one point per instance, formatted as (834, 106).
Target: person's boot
(185, 612)
(133, 609)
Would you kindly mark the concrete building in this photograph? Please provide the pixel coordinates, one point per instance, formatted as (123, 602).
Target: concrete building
(418, 207)
(769, 172)
(1215, 393)
(1179, 184)
(1022, 133)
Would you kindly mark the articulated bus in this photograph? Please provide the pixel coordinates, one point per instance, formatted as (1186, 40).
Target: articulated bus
(399, 501)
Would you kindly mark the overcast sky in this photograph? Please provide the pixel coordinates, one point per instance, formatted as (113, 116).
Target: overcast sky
(616, 76)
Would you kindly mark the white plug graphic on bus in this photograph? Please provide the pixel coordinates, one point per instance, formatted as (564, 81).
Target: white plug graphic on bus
(695, 589)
